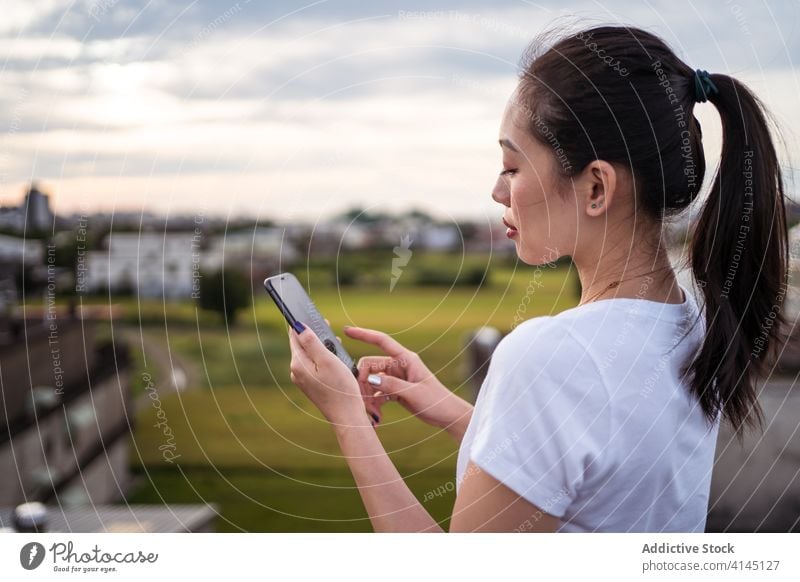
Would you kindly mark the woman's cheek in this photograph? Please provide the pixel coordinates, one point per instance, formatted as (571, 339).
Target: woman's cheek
(524, 192)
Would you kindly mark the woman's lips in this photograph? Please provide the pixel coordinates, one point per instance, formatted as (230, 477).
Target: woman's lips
(511, 231)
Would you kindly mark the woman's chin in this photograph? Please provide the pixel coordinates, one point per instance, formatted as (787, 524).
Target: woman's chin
(535, 259)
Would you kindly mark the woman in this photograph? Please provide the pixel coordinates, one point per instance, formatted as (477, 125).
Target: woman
(603, 417)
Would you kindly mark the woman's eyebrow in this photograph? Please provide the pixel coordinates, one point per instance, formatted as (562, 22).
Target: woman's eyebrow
(507, 143)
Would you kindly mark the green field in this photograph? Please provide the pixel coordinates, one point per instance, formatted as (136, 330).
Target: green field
(248, 440)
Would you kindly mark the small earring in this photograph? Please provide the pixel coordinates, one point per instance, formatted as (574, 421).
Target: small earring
(594, 205)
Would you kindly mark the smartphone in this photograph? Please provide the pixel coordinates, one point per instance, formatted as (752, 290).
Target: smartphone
(295, 304)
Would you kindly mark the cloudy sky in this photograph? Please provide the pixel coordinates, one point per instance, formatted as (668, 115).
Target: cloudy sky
(297, 110)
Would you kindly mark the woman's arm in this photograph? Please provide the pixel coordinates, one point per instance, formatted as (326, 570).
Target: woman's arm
(485, 504)
(335, 392)
(461, 413)
(388, 500)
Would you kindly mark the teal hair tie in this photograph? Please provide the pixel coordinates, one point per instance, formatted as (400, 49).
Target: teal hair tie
(703, 86)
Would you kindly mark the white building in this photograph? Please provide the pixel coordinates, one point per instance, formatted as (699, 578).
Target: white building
(149, 264)
(251, 247)
(440, 237)
(15, 249)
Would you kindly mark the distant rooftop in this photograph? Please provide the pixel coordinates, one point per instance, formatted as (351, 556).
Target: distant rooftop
(122, 518)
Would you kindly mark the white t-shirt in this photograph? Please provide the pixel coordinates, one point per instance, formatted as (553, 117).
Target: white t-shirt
(584, 414)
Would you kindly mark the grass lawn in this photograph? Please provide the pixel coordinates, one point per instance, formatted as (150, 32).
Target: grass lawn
(249, 441)
(272, 464)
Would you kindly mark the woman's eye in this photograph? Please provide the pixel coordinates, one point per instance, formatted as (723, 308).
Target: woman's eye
(507, 172)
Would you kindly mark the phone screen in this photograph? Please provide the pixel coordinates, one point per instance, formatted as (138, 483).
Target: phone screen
(295, 304)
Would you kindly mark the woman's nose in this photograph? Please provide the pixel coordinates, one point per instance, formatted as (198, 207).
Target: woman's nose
(501, 193)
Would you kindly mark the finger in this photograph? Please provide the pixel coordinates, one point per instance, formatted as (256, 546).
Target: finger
(374, 410)
(377, 338)
(382, 397)
(366, 390)
(373, 364)
(296, 350)
(387, 385)
(374, 402)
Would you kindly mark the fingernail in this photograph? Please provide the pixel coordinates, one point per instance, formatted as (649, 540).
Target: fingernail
(375, 417)
(347, 327)
(299, 327)
(374, 379)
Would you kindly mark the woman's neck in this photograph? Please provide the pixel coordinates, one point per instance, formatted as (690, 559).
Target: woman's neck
(646, 277)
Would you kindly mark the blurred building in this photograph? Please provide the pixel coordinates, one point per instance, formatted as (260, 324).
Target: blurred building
(32, 215)
(792, 304)
(255, 251)
(38, 216)
(490, 237)
(332, 237)
(21, 267)
(18, 250)
(12, 219)
(442, 237)
(148, 264)
(65, 432)
(171, 264)
(63, 426)
(125, 519)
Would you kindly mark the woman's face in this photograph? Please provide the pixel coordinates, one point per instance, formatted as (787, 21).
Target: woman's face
(544, 222)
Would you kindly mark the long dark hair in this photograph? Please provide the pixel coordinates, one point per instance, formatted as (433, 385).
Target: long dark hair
(621, 95)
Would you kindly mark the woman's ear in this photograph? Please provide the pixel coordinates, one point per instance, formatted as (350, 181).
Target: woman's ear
(601, 182)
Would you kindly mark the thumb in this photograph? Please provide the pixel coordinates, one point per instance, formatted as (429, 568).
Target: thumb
(311, 344)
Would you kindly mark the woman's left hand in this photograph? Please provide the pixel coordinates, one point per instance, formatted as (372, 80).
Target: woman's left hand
(325, 379)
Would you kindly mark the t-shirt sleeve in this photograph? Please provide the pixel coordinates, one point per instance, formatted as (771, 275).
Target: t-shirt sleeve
(542, 422)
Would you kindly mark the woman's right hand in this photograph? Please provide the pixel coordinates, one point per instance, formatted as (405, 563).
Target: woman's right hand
(403, 377)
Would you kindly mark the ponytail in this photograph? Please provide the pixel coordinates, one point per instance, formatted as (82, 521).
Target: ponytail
(739, 258)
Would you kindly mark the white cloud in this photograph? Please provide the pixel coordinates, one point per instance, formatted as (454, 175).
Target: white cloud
(411, 117)
(33, 49)
(18, 16)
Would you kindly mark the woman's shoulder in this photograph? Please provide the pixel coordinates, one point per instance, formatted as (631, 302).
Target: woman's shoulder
(541, 375)
(545, 341)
